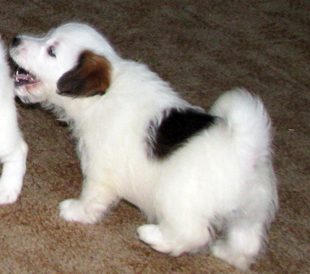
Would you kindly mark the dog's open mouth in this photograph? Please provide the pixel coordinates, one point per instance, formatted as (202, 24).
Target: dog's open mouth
(23, 77)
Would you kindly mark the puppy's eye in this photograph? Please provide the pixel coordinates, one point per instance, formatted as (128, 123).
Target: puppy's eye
(51, 51)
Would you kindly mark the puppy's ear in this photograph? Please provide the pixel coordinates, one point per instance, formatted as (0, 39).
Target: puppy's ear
(91, 76)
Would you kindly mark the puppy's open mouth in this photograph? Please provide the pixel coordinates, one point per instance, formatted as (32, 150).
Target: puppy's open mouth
(23, 77)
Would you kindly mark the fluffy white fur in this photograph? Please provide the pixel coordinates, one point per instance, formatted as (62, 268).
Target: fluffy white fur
(13, 149)
(221, 180)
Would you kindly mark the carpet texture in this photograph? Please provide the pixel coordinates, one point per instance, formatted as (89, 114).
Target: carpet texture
(202, 47)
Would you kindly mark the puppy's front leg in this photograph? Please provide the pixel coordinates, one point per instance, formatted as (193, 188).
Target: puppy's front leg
(14, 168)
(95, 200)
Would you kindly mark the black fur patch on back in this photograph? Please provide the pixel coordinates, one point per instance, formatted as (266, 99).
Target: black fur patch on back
(175, 129)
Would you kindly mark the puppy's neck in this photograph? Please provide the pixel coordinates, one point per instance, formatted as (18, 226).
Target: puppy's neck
(72, 109)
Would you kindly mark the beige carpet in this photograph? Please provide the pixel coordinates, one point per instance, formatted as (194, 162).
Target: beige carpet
(203, 48)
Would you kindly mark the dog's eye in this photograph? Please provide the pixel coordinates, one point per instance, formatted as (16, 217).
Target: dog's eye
(51, 51)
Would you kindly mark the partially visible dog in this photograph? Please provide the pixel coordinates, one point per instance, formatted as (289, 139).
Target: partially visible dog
(192, 173)
(13, 149)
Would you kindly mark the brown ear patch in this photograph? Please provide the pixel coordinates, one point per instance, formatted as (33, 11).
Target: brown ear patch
(91, 76)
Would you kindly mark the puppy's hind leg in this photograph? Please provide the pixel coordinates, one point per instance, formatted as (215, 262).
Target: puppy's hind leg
(243, 243)
(246, 231)
(90, 208)
(183, 224)
(14, 168)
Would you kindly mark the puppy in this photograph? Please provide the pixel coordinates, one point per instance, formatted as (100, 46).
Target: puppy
(13, 149)
(192, 173)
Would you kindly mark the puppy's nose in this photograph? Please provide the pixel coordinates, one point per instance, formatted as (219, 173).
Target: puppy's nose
(16, 41)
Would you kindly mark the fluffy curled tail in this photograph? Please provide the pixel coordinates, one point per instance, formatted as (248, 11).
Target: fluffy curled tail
(248, 123)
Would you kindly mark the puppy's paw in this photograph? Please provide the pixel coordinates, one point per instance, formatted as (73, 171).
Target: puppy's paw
(8, 195)
(224, 252)
(152, 235)
(79, 211)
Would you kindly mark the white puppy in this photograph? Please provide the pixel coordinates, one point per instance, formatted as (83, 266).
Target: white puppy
(190, 172)
(13, 149)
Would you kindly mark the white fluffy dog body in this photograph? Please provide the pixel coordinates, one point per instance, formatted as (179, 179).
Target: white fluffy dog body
(190, 172)
(13, 149)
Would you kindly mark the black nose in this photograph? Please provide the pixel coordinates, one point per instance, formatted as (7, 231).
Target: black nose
(16, 41)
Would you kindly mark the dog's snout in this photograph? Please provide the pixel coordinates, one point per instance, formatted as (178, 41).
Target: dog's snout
(16, 41)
